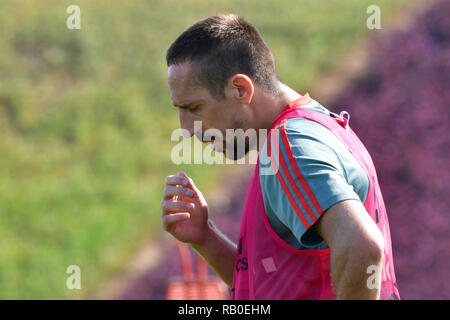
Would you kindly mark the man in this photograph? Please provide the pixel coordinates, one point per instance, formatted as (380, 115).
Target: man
(314, 224)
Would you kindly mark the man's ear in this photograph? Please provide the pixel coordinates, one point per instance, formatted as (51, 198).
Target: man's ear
(243, 88)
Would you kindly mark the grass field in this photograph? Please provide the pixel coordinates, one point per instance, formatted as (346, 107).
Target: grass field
(85, 123)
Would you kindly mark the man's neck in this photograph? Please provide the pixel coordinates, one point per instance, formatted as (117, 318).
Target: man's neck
(271, 106)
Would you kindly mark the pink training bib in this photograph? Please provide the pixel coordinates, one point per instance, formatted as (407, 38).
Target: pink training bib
(266, 267)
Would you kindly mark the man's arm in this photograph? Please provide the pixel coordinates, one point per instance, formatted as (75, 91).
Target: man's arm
(219, 252)
(355, 243)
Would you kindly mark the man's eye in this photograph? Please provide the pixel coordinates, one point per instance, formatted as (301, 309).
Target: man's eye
(194, 108)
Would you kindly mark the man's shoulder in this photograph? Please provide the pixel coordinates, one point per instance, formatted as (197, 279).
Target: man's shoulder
(299, 124)
(298, 137)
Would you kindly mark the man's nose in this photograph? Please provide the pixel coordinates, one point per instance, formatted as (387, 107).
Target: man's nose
(186, 123)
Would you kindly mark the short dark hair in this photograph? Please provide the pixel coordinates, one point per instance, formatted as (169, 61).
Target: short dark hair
(221, 46)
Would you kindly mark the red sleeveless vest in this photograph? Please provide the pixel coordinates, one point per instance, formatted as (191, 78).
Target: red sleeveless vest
(266, 267)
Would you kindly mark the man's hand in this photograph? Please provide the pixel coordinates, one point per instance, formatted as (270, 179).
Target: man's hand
(355, 244)
(184, 210)
(185, 216)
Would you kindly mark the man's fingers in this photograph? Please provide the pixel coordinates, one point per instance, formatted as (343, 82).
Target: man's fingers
(177, 180)
(182, 180)
(170, 206)
(170, 219)
(190, 182)
(171, 191)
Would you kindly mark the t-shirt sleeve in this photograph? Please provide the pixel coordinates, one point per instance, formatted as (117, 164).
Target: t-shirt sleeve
(302, 176)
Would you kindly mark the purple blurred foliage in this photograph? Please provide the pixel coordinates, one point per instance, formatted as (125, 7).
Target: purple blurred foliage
(399, 109)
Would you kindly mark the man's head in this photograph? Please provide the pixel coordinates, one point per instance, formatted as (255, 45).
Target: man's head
(221, 46)
(215, 68)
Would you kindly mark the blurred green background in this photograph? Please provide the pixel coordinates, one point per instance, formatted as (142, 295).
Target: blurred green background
(86, 118)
